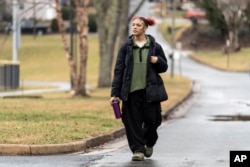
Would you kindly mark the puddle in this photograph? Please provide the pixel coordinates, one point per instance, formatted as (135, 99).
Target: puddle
(245, 103)
(231, 118)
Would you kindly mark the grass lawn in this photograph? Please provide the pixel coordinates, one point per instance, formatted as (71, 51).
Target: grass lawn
(57, 117)
(238, 61)
(162, 10)
(179, 28)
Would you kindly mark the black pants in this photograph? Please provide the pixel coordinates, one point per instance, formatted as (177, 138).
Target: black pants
(141, 120)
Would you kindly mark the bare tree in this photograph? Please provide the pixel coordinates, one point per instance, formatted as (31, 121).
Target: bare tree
(107, 21)
(232, 11)
(78, 76)
(82, 29)
(5, 10)
(2, 6)
(247, 13)
(113, 19)
(126, 17)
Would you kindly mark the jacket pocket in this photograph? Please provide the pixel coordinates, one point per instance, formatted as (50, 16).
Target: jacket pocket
(156, 92)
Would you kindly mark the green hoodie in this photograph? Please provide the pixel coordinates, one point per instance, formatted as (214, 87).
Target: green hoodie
(140, 66)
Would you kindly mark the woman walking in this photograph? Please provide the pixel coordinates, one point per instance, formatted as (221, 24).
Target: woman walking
(139, 62)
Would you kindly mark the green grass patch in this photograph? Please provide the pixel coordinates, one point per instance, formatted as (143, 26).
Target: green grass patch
(161, 9)
(58, 118)
(237, 61)
(55, 118)
(43, 58)
(179, 29)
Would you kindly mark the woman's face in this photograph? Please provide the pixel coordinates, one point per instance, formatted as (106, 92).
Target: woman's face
(138, 27)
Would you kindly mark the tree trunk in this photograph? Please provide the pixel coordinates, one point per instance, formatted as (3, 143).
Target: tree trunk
(231, 10)
(112, 20)
(82, 29)
(71, 62)
(107, 29)
(79, 80)
(233, 30)
(124, 21)
(125, 18)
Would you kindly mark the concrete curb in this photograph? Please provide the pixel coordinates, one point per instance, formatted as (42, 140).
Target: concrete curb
(77, 146)
(50, 149)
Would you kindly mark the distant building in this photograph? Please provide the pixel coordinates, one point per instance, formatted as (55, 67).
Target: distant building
(38, 9)
(30, 9)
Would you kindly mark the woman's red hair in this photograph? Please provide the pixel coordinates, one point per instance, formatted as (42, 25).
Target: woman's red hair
(148, 21)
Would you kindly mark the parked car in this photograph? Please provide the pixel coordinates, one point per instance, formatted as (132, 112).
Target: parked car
(195, 13)
(27, 27)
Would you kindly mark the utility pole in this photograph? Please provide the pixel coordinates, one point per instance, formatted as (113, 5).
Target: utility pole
(173, 38)
(14, 74)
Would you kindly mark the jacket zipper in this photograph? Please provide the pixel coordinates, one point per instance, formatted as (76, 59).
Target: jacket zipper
(140, 55)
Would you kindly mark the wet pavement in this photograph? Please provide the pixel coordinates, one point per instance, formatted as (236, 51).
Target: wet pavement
(193, 138)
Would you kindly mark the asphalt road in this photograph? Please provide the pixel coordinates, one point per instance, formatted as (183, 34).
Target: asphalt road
(198, 137)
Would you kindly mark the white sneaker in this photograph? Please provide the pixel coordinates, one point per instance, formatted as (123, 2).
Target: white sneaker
(137, 156)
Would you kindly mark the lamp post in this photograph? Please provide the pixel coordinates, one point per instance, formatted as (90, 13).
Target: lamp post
(227, 51)
(173, 38)
(14, 66)
(14, 31)
(72, 32)
(179, 46)
(72, 38)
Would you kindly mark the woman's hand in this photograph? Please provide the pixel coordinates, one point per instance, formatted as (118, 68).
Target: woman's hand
(112, 99)
(154, 59)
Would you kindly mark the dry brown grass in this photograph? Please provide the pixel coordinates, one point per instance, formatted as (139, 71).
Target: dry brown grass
(58, 118)
(237, 61)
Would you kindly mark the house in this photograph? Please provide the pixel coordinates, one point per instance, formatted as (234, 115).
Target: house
(37, 9)
(29, 9)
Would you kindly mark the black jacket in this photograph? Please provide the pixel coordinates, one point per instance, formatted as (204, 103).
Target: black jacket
(124, 67)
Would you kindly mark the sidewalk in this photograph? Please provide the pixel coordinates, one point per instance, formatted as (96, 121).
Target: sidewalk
(55, 87)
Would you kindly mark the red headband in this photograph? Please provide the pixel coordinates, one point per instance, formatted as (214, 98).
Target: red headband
(147, 21)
